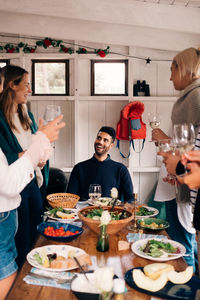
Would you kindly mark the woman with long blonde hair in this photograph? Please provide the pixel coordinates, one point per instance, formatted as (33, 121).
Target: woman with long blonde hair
(185, 75)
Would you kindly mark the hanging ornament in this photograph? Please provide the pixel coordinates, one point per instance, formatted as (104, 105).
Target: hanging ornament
(102, 53)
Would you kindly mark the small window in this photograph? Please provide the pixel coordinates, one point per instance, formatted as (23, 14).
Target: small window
(50, 77)
(4, 62)
(109, 77)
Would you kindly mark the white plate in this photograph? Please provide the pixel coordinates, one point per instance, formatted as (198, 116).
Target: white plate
(154, 213)
(47, 213)
(60, 250)
(135, 247)
(101, 202)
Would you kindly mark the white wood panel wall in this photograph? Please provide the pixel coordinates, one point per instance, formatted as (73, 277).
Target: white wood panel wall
(85, 114)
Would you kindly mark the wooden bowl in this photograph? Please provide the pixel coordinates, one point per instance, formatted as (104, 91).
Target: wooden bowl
(112, 228)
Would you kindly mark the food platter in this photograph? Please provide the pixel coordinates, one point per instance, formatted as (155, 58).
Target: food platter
(143, 212)
(137, 247)
(71, 212)
(171, 291)
(60, 250)
(103, 201)
(153, 224)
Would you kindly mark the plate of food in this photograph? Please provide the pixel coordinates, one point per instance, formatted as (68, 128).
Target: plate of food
(173, 286)
(158, 249)
(153, 224)
(103, 201)
(63, 215)
(57, 258)
(143, 211)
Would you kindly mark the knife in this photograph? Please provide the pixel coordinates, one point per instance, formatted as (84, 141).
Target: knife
(81, 268)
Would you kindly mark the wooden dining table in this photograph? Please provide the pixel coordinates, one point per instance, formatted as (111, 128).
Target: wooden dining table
(120, 261)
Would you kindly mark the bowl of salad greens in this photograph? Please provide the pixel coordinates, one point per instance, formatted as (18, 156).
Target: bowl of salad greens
(158, 249)
(142, 211)
(119, 218)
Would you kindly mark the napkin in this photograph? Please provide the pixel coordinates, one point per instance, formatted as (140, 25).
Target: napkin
(133, 237)
(49, 282)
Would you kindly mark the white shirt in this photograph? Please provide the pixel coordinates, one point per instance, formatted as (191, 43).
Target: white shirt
(14, 177)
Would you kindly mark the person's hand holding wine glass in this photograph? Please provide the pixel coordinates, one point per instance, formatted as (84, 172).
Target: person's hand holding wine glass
(154, 123)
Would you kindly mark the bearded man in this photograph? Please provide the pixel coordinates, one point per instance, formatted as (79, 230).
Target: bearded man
(101, 169)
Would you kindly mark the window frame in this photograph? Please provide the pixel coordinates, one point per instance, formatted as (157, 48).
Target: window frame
(125, 61)
(66, 61)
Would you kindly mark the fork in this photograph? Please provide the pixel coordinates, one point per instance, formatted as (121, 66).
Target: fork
(58, 280)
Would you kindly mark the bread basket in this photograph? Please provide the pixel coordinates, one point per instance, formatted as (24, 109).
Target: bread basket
(65, 200)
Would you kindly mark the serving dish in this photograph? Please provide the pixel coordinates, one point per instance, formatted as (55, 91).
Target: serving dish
(103, 201)
(136, 247)
(60, 250)
(153, 224)
(171, 291)
(147, 212)
(113, 227)
(56, 225)
(55, 217)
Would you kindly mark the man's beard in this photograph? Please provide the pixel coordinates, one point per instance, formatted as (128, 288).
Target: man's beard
(103, 150)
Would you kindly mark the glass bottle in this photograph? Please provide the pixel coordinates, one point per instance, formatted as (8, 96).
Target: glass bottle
(103, 240)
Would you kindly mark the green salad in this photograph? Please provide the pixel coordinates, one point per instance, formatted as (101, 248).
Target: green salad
(143, 211)
(96, 213)
(156, 248)
(53, 211)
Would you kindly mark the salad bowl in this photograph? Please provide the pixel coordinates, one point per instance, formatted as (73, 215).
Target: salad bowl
(113, 227)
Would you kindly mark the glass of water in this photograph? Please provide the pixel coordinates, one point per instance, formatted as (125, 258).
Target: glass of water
(94, 192)
(51, 112)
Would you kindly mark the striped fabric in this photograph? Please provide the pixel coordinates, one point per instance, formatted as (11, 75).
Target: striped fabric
(193, 192)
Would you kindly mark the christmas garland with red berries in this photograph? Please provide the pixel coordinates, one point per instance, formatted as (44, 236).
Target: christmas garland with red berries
(46, 43)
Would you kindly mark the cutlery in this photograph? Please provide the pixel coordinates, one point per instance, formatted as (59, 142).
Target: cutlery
(122, 213)
(58, 280)
(81, 268)
(172, 254)
(114, 203)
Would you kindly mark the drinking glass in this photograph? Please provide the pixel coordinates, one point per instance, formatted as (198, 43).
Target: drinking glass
(153, 120)
(166, 145)
(51, 112)
(183, 137)
(94, 191)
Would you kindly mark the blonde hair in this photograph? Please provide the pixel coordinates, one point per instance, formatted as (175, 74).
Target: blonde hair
(13, 74)
(188, 63)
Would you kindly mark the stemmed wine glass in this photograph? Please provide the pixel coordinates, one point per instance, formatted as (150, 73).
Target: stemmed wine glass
(51, 112)
(153, 120)
(183, 138)
(166, 145)
(94, 192)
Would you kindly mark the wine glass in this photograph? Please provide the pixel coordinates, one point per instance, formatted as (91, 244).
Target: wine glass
(166, 145)
(153, 120)
(94, 192)
(51, 112)
(183, 138)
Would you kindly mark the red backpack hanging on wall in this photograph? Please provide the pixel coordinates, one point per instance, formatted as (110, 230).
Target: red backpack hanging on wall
(130, 125)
